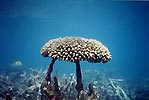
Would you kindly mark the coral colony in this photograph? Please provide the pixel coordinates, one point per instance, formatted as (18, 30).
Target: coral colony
(39, 84)
(74, 49)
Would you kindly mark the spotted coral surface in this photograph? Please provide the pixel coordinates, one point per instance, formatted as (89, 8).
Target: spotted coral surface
(75, 49)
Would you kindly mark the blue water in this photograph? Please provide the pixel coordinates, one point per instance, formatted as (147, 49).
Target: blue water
(122, 26)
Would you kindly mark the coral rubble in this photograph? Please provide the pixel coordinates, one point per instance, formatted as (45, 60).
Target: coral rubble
(29, 88)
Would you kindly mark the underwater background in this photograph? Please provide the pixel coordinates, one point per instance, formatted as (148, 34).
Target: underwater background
(122, 26)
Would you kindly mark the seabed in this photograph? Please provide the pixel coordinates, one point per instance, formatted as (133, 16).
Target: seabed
(27, 86)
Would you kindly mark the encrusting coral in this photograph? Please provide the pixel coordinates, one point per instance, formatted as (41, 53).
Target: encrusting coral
(75, 49)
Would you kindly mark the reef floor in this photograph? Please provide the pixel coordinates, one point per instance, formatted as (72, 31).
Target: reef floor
(27, 86)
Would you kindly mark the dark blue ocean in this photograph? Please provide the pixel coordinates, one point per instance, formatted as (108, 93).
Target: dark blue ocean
(122, 26)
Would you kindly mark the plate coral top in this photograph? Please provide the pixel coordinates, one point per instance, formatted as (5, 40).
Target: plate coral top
(76, 49)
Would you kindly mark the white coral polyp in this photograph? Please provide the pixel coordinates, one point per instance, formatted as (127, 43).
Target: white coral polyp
(75, 49)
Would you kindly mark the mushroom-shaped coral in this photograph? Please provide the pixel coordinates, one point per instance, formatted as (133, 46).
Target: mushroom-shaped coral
(75, 49)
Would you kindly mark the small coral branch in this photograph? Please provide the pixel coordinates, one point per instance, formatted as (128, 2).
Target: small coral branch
(56, 90)
(9, 94)
(47, 91)
(91, 92)
(8, 97)
(119, 91)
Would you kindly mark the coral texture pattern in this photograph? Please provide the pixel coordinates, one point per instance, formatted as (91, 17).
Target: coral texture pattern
(76, 49)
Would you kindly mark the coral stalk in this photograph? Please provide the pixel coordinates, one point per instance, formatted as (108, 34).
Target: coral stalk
(91, 90)
(79, 86)
(50, 69)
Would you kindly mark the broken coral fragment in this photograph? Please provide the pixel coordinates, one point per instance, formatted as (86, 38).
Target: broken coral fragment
(17, 64)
